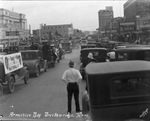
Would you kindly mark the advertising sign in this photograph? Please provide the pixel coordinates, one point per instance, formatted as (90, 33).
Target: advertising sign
(127, 27)
(12, 62)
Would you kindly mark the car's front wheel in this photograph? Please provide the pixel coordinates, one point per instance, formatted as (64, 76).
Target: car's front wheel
(37, 73)
(11, 84)
(26, 78)
(1, 90)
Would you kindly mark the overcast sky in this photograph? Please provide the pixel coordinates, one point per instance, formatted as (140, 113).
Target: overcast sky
(82, 14)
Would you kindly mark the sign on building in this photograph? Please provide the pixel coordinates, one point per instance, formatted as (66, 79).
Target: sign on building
(127, 27)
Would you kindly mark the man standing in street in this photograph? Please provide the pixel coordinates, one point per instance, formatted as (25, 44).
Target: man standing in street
(72, 77)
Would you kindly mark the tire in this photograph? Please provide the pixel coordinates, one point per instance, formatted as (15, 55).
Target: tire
(85, 105)
(11, 84)
(1, 90)
(46, 68)
(26, 78)
(37, 73)
(53, 64)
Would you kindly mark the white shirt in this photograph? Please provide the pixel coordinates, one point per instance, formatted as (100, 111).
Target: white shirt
(111, 55)
(72, 75)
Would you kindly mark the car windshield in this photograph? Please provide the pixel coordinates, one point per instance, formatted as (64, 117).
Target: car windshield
(96, 53)
(29, 55)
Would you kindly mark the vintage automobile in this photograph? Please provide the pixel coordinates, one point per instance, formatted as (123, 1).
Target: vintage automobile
(133, 53)
(119, 91)
(66, 46)
(100, 54)
(24, 47)
(112, 44)
(34, 61)
(8, 79)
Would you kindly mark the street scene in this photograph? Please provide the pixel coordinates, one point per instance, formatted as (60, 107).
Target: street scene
(75, 60)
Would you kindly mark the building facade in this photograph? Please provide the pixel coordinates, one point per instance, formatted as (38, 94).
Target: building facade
(105, 17)
(13, 27)
(140, 15)
(134, 8)
(63, 31)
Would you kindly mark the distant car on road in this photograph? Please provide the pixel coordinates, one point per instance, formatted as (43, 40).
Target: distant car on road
(34, 61)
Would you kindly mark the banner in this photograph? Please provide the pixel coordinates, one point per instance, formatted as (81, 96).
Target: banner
(12, 62)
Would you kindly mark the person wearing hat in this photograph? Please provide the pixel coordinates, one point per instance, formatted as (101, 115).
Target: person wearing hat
(91, 58)
(72, 77)
(111, 55)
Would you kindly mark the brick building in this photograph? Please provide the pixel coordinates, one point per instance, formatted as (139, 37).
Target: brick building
(13, 27)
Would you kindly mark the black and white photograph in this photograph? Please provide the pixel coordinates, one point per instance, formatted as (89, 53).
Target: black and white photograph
(82, 60)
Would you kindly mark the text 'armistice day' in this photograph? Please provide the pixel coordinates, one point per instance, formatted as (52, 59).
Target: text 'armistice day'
(46, 115)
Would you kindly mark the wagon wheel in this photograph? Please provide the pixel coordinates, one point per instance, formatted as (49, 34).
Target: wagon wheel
(26, 78)
(11, 84)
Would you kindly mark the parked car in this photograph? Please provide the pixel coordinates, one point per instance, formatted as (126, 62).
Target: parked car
(133, 53)
(100, 54)
(119, 91)
(8, 79)
(33, 59)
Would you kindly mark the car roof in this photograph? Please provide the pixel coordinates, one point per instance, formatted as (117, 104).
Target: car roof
(84, 49)
(3, 53)
(29, 50)
(133, 49)
(88, 45)
(117, 67)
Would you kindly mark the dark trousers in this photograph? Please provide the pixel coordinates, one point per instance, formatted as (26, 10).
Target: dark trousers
(73, 89)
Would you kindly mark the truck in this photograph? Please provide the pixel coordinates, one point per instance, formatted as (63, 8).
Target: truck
(66, 46)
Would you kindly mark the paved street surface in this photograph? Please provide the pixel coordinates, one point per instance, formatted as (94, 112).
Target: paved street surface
(43, 98)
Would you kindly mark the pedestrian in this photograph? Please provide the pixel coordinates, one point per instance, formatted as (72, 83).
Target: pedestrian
(91, 58)
(111, 55)
(72, 77)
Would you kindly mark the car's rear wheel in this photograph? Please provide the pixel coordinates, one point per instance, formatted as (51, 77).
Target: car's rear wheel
(46, 68)
(53, 64)
(85, 106)
(11, 84)
(26, 78)
(37, 73)
(1, 90)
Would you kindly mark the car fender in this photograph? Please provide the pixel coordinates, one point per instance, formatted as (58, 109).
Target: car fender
(8, 76)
